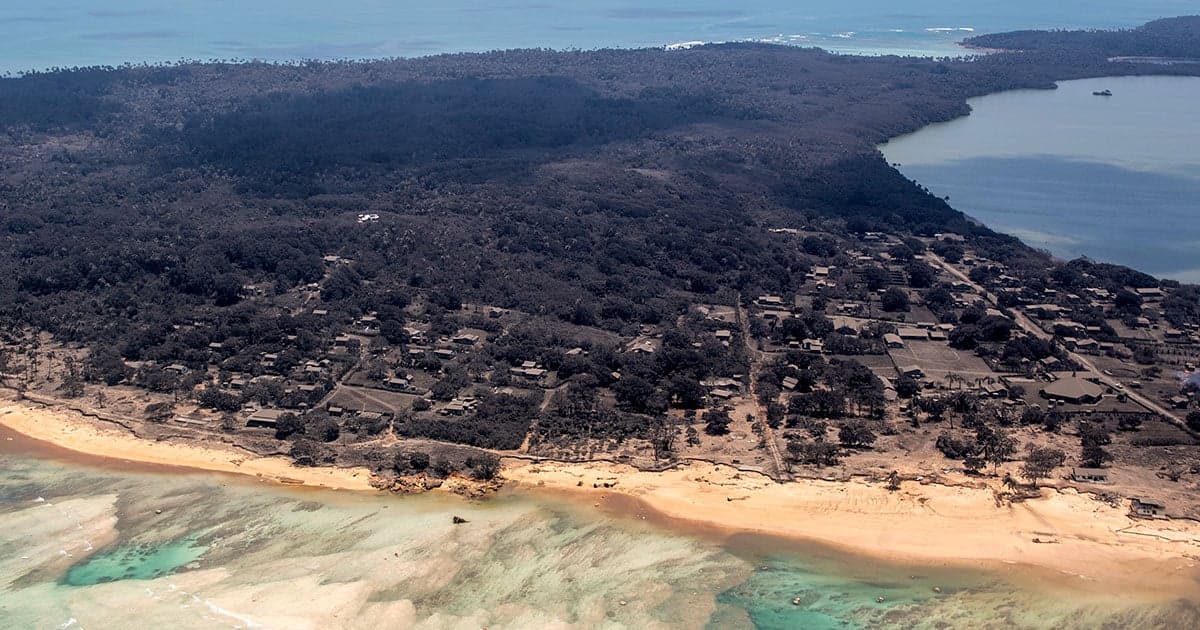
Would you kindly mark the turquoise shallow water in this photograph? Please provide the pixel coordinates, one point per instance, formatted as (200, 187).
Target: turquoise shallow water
(134, 563)
(88, 548)
(1113, 178)
(39, 35)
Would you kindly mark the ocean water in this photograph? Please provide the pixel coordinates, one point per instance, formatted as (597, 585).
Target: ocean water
(88, 548)
(48, 33)
(1114, 178)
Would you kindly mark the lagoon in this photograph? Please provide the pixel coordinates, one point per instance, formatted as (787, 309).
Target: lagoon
(1116, 179)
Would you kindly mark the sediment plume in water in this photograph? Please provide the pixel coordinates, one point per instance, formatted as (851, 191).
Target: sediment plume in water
(81, 547)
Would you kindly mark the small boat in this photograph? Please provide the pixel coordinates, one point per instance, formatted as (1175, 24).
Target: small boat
(1102, 93)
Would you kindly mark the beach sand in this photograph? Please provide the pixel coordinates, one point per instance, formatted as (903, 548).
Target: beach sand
(74, 432)
(1090, 543)
(1087, 542)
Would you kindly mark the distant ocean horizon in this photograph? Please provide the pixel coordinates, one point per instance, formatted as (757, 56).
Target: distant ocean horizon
(72, 33)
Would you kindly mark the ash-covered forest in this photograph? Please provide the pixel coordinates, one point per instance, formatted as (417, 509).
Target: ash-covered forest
(602, 189)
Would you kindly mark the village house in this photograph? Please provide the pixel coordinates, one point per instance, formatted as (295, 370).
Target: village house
(529, 370)
(911, 371)
(641, 346)
(721, 383)
(370, 416)
(1074, 390)
(459, 406)
(846, 325)
(1045, 311)
(465, 339)
(1089, 475)
(1150, 294)
(1050, 363)
(993, 390)
(1067, 328)
(1147, 509)
(264, 418)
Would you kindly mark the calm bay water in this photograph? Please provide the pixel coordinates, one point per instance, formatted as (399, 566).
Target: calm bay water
(48, 33)
(1115, 178)
(88, 548)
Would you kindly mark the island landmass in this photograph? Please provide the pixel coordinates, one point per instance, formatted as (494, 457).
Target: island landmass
(687, 276)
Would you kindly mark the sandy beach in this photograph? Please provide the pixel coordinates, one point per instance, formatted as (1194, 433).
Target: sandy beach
(1074, 535)
(73, 432)
(1089, 542)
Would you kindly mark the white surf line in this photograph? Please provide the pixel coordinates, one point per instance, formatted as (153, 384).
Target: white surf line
(214, 608)
(250, 623)
(71, 515)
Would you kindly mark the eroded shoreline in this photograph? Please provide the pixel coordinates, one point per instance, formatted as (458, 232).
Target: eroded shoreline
(1093, 546)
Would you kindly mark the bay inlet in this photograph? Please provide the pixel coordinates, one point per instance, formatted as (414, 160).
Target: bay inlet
(1114, 178)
